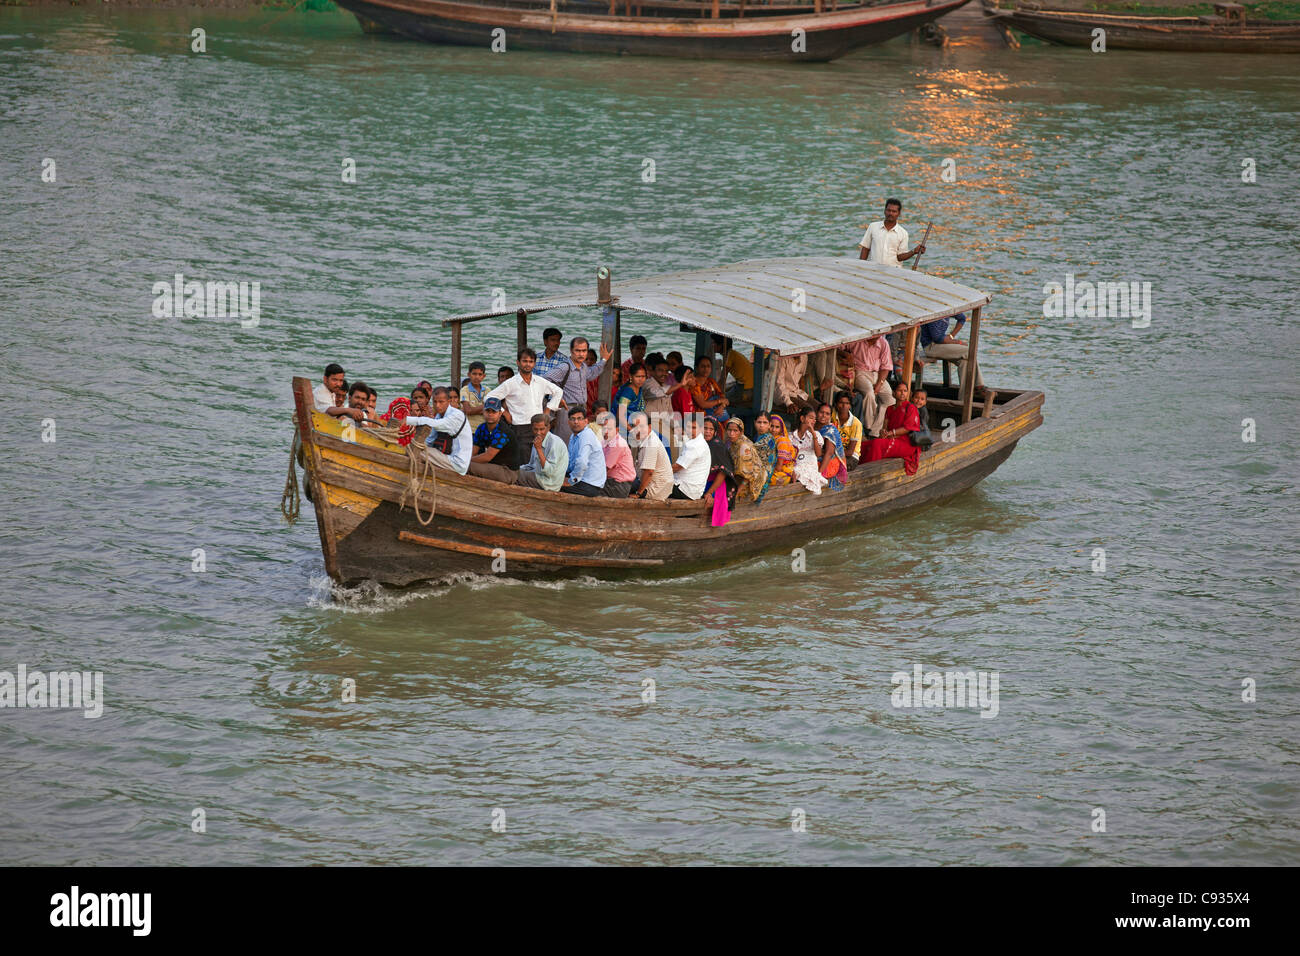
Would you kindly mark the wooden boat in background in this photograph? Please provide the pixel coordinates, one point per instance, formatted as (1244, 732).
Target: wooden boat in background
(1227, 31)
(682, 28)
(359, 482)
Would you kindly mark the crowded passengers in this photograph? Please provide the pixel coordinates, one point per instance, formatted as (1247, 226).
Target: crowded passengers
(666, 429)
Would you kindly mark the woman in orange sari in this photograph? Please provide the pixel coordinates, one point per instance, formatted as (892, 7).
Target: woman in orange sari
(894, 442)
(783, 473)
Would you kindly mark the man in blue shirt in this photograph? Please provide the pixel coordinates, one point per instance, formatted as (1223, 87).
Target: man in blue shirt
(586, 472)
(450, 441)
(936, 343)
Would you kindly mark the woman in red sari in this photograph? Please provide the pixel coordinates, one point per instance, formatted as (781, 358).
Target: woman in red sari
(900, 418)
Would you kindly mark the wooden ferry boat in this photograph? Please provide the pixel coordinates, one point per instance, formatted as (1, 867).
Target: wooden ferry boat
(813, 31)
(367, 515)
(1227, 31)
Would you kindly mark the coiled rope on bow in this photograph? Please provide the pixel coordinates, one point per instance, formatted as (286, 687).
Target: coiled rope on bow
(420, 473)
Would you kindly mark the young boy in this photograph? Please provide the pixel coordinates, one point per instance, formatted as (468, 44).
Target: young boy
(504, 374)
(472, 391)
(918, 399)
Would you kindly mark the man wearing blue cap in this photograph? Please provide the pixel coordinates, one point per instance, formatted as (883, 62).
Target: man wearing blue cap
(494, 446)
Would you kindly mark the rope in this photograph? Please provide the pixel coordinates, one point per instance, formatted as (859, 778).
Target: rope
(420, 474)
(290, 499)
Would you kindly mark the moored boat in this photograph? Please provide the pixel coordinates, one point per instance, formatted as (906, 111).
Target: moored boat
(813, 32)
(383, 517)
(1226, 31)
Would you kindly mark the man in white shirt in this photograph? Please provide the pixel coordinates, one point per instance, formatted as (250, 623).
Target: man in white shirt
(691, 469)
(450, 440)
(886, 241)
(525, 395)
(323, 396)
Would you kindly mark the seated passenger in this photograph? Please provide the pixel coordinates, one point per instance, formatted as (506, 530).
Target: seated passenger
(636, 350)
(494, 446)
(765, 446)
(936, 343)
(783, 473)
(721, 467)
(620, 473)
(359, 399)
(894, 442)
(923, 440)
(453, 396)
(749, 467)
(790, 372)
(472, 389)
(682, 402)
(738, 367)
(594, 423)
(659, 388)
(809, 447)
(586, 472)
(833, 465)
(631, 397)
(372, 399)
(652, 460)
(548, 459)
(850, 429)
(322, 395)
(674, 363)
(691, 469)
(420, 400)
(450, 440)
(706, 393)
(325, 396)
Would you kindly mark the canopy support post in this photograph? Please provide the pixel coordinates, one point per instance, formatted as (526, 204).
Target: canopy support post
(971, 373)
(703, 347)
(909, 354)
(608, 331)
(455, 354)
(766, 381)
(521, 330)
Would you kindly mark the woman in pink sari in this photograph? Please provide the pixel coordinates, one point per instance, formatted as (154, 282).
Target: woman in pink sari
(900, 418)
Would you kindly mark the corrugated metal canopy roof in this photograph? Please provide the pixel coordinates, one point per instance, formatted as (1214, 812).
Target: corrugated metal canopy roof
(845, 300)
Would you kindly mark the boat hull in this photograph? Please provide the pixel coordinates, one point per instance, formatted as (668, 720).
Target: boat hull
(827, 35)
(1174, 34)
(483, 527)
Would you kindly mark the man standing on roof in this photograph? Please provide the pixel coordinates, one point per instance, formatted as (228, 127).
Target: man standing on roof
(884, 241)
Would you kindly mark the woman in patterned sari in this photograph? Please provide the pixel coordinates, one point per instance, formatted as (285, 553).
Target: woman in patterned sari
(783, 474)
(765, 445)
(749, 467)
